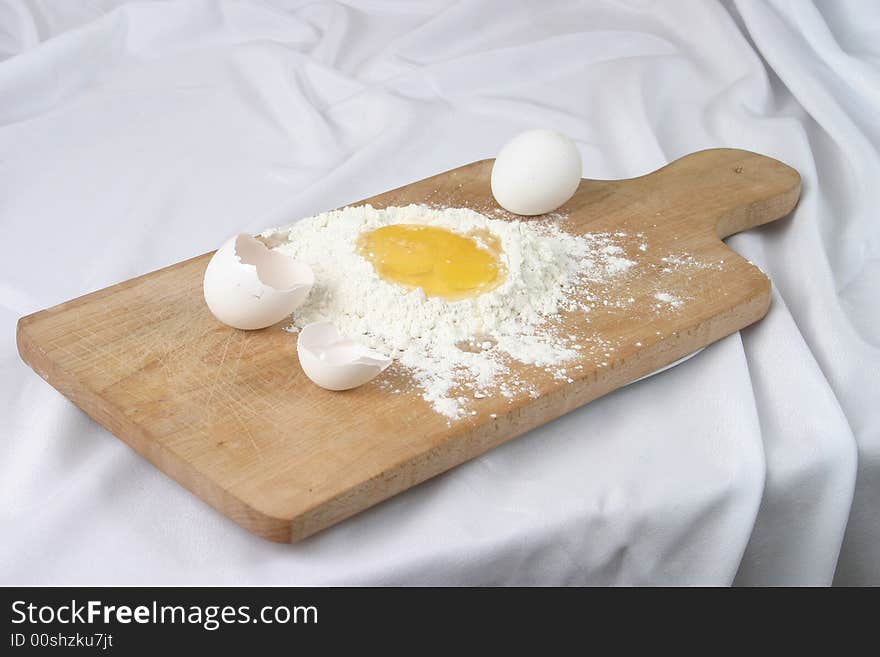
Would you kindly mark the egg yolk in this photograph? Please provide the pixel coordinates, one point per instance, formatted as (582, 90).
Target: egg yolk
(442, 263)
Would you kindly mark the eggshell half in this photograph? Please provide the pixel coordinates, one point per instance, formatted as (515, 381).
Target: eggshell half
(249, 286)
(335, 362)
(536, 172)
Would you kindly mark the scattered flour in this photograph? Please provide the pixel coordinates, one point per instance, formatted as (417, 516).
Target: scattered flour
(671, 299)
(455, 350)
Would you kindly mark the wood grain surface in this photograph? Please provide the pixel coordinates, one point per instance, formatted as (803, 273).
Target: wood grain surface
(230, 415)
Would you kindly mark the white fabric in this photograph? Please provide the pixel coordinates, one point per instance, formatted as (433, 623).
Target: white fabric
(134, 137)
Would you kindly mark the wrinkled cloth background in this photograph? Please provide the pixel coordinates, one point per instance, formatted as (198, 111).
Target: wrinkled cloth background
(133, 137)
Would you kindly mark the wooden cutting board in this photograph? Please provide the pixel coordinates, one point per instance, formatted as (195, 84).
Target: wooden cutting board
(230, 415)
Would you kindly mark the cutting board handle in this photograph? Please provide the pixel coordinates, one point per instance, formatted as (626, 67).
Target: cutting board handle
(724, 190)
(720, 190)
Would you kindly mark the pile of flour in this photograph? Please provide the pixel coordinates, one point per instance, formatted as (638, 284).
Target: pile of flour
(454, 350)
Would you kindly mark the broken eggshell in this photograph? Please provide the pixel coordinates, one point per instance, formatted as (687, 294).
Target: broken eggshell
(335, 362)
(248, 286)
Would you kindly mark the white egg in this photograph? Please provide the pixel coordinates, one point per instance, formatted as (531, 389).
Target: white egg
(335, 362)
(536, 172)
(249, 286)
